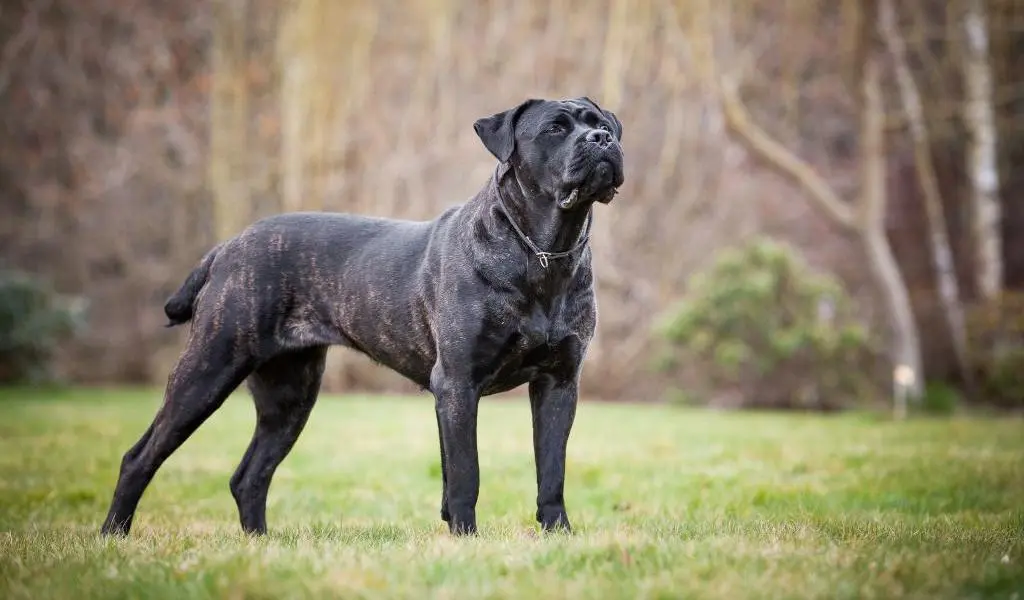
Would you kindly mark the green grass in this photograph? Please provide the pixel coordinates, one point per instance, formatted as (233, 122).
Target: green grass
(667, 502)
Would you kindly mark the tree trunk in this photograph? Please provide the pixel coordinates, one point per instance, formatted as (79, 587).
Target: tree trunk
(297, 73)
(906, 351)
(980, 121)
(941, 250)
(229, 116)
(867, 220)
(309, 51)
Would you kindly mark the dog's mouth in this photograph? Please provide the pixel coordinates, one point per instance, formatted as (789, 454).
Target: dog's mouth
(599, 186)
(570, 200)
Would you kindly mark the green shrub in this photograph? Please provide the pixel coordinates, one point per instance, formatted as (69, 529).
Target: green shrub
(761, 323)
(33, 321)
(996, 349)
(940, 398)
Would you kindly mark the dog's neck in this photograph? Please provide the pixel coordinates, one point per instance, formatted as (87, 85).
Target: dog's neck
(547, 226)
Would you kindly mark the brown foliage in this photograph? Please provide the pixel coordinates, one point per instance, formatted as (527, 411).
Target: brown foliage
(108, 182)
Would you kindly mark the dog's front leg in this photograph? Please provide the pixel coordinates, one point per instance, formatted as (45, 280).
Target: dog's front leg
(553, 402)
(456, 404)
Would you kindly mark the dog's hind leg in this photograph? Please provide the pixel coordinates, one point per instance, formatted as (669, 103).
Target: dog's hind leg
(284, 389)
(205, 375)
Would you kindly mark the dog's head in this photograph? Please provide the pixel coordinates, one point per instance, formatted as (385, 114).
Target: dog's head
(567, 150)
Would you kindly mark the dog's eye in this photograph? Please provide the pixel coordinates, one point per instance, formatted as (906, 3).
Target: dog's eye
(555, 128)
(605, 127)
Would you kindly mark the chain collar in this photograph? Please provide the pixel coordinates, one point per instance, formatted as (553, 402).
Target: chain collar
(541, 255)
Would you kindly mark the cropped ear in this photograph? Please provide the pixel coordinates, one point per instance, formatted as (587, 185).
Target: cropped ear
(498, 132)
(616, 124)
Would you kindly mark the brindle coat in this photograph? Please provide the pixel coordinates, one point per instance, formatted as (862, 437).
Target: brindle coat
(492, 294)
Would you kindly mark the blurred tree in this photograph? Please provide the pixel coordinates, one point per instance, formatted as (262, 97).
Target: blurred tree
(111, 109)
(984, 173)
(229, 118)
(864, 219)
(322, 71)
(941, 250)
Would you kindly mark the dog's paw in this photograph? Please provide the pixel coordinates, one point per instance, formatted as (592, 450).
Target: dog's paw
(554, 520)
(116, 528)
(459, 527)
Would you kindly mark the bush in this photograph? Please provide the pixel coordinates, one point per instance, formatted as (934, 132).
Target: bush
(940, 398)
(996, 349)
(33, 320)
(761, 323)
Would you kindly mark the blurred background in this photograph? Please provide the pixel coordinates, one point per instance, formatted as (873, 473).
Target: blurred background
(819, 194)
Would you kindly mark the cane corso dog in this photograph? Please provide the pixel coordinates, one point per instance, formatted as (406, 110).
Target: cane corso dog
(492, 294)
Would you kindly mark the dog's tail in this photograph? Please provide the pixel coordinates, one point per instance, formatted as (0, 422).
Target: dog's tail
(180, 305)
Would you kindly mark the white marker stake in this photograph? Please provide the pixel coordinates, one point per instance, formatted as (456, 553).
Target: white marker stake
(903, 378)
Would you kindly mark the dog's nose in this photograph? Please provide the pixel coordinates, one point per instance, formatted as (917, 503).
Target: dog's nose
(599, 136)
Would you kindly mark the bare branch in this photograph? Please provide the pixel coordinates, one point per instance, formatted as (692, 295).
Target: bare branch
(787, 163)
(754, 137)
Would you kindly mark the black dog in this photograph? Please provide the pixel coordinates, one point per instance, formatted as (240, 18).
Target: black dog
(492, 294)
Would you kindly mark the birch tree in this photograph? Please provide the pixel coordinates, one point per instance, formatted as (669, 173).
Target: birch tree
(938, 231)
(864, 217)
(980, 121)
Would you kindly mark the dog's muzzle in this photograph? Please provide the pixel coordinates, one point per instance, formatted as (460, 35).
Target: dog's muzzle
(604, 175)
(600, 185)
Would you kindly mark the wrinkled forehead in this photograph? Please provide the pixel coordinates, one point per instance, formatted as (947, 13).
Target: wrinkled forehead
(577, 105)
(578, 110)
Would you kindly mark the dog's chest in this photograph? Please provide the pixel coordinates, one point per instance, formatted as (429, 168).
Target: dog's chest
(531, 341)
(537, 326)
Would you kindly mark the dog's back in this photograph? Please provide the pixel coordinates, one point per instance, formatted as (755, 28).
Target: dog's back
(311, 278)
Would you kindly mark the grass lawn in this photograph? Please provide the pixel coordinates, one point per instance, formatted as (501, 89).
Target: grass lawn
(667, 502)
